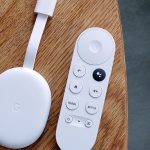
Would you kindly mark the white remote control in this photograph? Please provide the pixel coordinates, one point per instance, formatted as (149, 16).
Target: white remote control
(86, 90)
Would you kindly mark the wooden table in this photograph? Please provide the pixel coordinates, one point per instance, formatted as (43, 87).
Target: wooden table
(54, 57)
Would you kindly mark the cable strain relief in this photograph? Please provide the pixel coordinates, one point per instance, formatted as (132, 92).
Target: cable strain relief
(45, 7)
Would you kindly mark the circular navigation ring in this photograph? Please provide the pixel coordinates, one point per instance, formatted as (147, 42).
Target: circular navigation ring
(95, 46)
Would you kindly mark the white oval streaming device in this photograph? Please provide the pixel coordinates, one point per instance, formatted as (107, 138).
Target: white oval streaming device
(25, 100)
(25, 97)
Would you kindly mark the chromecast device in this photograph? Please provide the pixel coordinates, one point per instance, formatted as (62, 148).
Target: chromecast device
(25, 100)
(25, 96)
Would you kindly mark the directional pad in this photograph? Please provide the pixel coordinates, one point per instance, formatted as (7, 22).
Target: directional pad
(95, 46)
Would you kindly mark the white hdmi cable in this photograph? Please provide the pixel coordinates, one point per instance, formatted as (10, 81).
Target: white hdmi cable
(44, 9)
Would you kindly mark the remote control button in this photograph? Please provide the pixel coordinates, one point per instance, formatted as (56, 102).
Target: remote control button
(75, 87)
(79, 71)
(72, 104)
(88, 123)
(95, 91)
(99, 74)
(95, 46)
(68, 119)
(92, 108)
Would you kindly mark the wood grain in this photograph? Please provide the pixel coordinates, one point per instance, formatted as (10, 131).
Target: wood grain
(54, 57)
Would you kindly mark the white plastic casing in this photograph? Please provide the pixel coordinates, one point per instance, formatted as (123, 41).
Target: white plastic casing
(46, 7)
(95, 48)
(25, 100)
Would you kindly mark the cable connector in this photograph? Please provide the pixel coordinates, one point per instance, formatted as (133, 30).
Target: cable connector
(45, 7)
